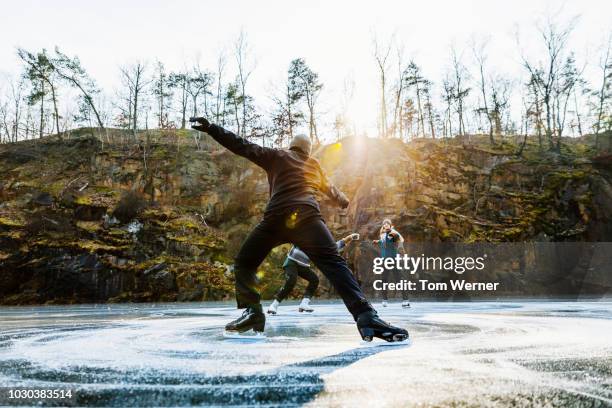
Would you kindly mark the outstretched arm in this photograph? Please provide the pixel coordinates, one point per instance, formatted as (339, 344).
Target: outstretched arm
(332, 191)
(346, 240)
(349, 238)
(261, 156)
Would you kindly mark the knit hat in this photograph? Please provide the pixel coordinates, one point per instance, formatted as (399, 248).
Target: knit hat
(302, 143)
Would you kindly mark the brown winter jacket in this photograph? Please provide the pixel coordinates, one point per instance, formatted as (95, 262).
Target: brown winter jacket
(293, 176)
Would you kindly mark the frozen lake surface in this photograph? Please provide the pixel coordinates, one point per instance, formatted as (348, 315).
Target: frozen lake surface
(466, 354)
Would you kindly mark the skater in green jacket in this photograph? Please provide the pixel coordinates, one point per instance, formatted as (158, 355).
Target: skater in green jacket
(297, 264)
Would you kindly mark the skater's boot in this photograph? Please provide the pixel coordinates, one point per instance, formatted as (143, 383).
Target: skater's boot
(305, 306)
(273, 308)
(405, 304)
(370, 326)
(384, 303)
(252, 318)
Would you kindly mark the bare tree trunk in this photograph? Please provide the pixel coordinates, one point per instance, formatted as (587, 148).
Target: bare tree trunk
(383, 109)
(42, 109)
(460, 93)
(16, 92)
(381, 59)
(397, 111)
(56, 112)
(289, 113)
(480, 59)
(602, 92)
(135, 113)
(220, 69)
(236, 113)
(420, 120)
(130, 105)
(183, 106)
(578, 118)
(241, 53)
(312, 125)
(431, 120)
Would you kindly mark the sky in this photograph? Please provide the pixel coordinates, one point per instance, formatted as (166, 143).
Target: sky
(334, 37)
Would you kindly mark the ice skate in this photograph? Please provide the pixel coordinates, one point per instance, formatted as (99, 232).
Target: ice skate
(273, 308)
(370, 326)
(305, 306)
(405, 304)
(252, 319)
(384, 303)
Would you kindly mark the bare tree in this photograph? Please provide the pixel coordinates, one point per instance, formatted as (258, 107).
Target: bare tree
(527, 107)
(567, 81)
(342, 123)
(133, 77)
(245, 68)
(545, 75)
(500, 95)
(535, 110)
(461, 91)
(480, 55)
(397, 125)
(193, 84)
(381, 55)
(4, 121)
(603, 94)
(11, 110)
(162, 92)
(448, 96)
(577, 106)
(220, 105)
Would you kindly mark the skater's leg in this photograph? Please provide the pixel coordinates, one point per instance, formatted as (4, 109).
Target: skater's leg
(312, 236)
(291, 274)
(385, 279)
(252, 253)
(311, 277)
(398, 278)
(313, 283)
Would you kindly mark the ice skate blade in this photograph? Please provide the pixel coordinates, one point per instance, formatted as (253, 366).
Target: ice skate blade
(399, 338)
(404, 343)
(368, 334)
(305, 310)
(248, 335)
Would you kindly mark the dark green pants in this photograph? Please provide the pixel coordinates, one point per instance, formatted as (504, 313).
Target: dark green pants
(292, 271)
(397, 276)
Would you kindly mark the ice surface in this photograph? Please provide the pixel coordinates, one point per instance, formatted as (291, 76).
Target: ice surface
(467, 354)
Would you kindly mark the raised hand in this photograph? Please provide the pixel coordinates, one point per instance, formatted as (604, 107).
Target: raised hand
(202, 123)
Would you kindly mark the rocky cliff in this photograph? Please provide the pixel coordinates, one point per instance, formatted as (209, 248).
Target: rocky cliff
(159, 218)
